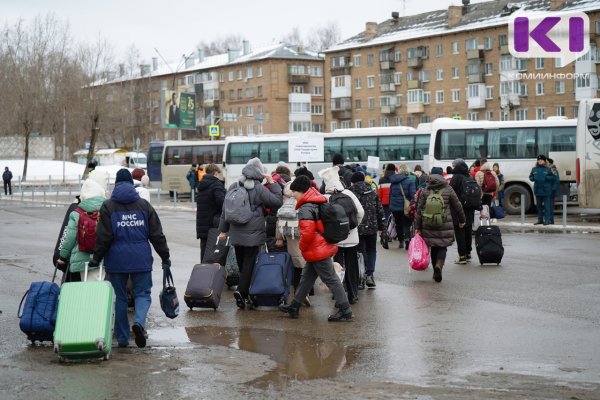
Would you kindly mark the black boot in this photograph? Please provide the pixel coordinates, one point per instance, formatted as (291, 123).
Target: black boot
(437, 271)
(293, 309)
(343, 314)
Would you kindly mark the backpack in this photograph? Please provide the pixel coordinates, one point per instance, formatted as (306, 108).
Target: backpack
(236, 206)
(434, 211)
(406, 202)
(347, 203)
(336, 224)
(287, 219)
(489, 182)
(471, 194)
(86, 230)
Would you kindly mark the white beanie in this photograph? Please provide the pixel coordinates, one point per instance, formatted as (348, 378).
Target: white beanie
(331, 178)
(100, 177)
(91, 188)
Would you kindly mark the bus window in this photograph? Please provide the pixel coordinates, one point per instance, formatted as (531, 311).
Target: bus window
(273, 152)
(358, 149)
(452, 144)
(421, 146)
(332, 146)
(240, 153)
(397, 148)
(476, 144)
(556, 139)
(205, 154)
(511, 143)
(178, 155)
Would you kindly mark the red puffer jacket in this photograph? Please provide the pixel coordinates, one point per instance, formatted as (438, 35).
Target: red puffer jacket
(312, 244)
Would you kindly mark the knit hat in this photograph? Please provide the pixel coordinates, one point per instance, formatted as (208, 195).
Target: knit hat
(300, 184)
(91, 188)
(551, 161)
(541, 157)
(357, 177)
(456, 162)
(305, 172)
(437, 171)
(137, 174)
(332, 179)
(337, 159)
(390, 167)
(123, 175)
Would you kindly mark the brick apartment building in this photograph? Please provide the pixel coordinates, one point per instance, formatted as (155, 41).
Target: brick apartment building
(453, 62)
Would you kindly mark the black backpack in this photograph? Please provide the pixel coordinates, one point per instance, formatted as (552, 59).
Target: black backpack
(336, 226)
(471, 194)
(347, 203)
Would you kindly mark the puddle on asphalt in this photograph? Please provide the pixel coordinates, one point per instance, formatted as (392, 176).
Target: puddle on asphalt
(297, 356)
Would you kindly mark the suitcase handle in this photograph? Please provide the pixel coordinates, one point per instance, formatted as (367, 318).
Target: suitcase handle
(167, 278)
(86, 272)
(20, 310)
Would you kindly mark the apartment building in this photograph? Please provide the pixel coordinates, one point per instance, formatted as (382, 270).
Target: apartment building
(454, 63)
(274, 89)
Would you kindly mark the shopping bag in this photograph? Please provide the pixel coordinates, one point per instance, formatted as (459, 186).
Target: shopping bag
(418, 253)
(169, 302)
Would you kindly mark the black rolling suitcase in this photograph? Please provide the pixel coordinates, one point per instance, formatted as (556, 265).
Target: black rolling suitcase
(488, 243)
(216, 250)
(205, 286)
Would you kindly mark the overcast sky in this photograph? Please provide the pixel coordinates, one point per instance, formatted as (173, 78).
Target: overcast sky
(176, 27)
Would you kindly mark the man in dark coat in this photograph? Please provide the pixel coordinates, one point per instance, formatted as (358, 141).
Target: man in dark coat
(209, 199)
(542, 179)
(464, 236)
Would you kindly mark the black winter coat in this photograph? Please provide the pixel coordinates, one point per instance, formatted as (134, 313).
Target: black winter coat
(374, 219)
(459, 174)
(210, 195)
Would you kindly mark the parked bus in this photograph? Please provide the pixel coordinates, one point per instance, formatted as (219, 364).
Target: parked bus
(179, 155)
(390, 144)
(514, 145)
(588, 153)
(154, 162)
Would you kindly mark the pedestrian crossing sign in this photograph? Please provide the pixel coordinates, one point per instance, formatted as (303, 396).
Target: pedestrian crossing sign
(213, 130)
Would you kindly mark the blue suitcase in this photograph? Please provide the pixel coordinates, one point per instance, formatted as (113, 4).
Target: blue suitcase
(38, 316)
(271, 279)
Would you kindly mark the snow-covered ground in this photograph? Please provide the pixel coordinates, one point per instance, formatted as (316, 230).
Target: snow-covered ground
(43, 170)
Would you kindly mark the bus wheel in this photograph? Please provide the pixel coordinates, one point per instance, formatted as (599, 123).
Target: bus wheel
(512, 199)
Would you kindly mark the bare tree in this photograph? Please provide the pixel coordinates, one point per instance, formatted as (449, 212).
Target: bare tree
(293, 37)
(323, 37)
(221, 44)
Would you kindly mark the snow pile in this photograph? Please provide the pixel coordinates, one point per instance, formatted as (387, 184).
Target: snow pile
(43, 170)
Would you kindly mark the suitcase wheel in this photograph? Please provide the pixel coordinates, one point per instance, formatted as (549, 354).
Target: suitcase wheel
(106, 356)
(100, 344)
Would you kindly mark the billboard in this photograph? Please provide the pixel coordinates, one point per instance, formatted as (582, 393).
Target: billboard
(178, 109)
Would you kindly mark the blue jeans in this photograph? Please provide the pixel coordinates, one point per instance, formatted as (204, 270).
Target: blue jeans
(142, 288)
(367, 245)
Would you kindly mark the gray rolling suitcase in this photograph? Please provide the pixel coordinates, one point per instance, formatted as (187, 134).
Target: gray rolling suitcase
(205, 286)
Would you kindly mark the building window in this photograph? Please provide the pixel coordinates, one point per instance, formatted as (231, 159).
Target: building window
(409, 76)
(424, 75)
(522, 64)
(455, 95)
(503, 40)
(317, 127)
(357, 60)
(439, 50)
(333, 126)
(259, 70)
(250, 72)
(259, 91)
(559, 87)
(240, 130)
(240, 93)
(339, 81)
(489, 92)
(471, 44)
(397, 78)
(371, 81)
(583, 81)
(357, 83)
(455, 48)
(346, 124)
(369, 59)
(489, 68)
(439, 74)
(357, 104)
(425, 119)
(315, 71)
(316, 109)
(398, 121)
(230, 76)
(426, 97)
(489, 115)
(250, 92)
(439, 96)
(455, 73)
(250, 129)
(371, 103)
(560, 111)
(239, 74)
(539, 63)
(523, 89)
(414, 96)
(504, 116)
(399, 100)
(397, 56)
(385, 122)
(371, 123)
(558, 63)
(539, 88)
(221, 77)
(231, 94)
(318, 90)
(540, 113)
(358, 123)
(297, 108)
(473, 90)
(473, 116)
(521, 115)
(488, 42)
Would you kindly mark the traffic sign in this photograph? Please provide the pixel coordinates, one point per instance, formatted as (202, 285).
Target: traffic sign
(213, 130)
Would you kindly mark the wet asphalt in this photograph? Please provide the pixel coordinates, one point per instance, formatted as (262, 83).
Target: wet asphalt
(529, 328)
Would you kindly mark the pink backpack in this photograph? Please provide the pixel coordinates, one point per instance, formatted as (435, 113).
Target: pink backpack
(418, 253)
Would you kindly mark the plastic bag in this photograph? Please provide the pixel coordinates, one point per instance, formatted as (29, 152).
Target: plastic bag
(418, 253)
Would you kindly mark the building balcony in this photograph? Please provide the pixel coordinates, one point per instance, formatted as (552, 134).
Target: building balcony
(387, 64)
(509, 101)
(337, 71)
(342, 114)
(414, 62)
(390, 109)
(475, 78)
(298, 78)
(475, 54)
(387, 87)
(415, 108)
(415, 84)
(475, 103)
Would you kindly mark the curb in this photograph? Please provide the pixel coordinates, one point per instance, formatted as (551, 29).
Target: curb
(529, 227)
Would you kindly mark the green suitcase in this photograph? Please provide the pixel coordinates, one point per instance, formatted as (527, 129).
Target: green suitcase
(85, 320)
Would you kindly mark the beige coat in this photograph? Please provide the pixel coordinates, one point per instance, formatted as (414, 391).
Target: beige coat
(479, 176)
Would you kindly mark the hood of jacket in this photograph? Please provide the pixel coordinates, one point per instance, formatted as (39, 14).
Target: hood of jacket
(331, 179)
(362, 188)
(91, 188)
(124, 193)
(486, 167)
(312, 195)
(436, 181)
(253, 171)
(397, 178)
(207, 182)
(461, 168)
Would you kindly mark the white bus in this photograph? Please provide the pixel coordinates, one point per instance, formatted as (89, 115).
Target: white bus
(514, 145)
(588, 153)
(390, 144)
(179, 155)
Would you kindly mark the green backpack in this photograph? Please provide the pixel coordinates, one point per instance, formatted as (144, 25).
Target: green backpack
(434, 212)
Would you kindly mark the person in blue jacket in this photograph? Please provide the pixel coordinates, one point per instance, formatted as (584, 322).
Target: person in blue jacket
(401, 185)
(555, 187)
(542, 179)
(127, 226)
